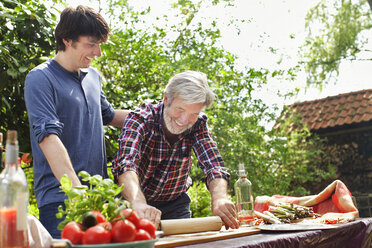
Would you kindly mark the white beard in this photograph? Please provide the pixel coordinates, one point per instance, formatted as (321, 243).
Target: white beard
(171, 128)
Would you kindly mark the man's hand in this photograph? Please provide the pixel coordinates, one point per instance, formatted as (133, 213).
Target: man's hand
(146, 211)
(226, 210)
(221, 205)
(132, 193)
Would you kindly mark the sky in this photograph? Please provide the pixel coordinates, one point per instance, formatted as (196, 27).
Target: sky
(272, 22)
(277, 20)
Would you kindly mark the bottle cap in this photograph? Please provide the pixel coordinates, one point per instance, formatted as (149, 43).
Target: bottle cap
(241, 170)
(11, 137)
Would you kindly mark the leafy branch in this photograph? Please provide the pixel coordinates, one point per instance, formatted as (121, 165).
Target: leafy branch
(101, 195)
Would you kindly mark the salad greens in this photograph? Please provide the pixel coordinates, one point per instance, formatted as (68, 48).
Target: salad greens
(101, 195)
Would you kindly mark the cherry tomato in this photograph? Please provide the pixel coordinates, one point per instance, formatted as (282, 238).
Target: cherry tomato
(96, 235)
(142, 235)
(123, 231)
(147, 226)
(130, 215)
(73, 232)
(99, 217)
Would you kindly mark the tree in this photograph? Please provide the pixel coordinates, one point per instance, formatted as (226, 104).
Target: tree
(26, 40)
(138, 62)
(340, 38)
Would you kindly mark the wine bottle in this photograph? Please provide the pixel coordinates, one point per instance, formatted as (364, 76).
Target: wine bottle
(244, 198)
(14, 198)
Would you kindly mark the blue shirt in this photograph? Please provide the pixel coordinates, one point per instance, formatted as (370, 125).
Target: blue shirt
(59, 102)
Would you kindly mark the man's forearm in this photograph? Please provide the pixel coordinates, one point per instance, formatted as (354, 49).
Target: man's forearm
(132, 190)
(119, 118)
(221, 205)
(58, 158)
(218, 189)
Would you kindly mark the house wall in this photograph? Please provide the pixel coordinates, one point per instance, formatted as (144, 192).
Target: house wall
(351, 153)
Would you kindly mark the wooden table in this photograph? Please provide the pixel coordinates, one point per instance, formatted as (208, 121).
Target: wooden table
(350, 235)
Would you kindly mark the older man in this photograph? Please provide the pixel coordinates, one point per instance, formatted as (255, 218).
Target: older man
(154, 157)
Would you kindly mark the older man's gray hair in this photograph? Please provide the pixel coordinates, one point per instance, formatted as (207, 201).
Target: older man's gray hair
(191, 86)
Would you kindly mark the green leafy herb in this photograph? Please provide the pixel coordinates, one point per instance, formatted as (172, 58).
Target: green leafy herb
(101, 195)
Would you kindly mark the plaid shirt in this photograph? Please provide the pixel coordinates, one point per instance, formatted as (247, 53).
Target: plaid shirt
(163, 170)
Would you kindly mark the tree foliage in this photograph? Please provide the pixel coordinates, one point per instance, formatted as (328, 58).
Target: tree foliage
(137, 63)
(341, 23)
(26, 40)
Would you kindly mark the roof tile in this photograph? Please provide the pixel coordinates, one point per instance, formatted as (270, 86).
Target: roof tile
(368, 109)
(348, 119)
(367, 117)
(343, 113)
(333, 115)
(317, 125)
(356, 104)
(340, 121)
(331, 123)
(342, 99)
(343, 109)
(356, 118)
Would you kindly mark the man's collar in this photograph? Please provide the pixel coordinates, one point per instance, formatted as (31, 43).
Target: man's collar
(80, 76)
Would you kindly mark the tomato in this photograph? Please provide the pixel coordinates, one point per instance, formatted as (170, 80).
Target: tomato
(73, 232)
(26, 158)
(130, 215)
(99, 217)
(147, 226)
(106, 225)
(96, 235)
(123, 231)
(142, 235)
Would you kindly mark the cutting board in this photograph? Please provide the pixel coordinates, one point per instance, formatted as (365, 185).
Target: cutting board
(202, 237)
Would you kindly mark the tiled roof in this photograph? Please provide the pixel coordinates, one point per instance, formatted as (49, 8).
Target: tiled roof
(344, 109)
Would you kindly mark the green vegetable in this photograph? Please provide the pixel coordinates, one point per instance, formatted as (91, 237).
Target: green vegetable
(286, 212)
(101, 195)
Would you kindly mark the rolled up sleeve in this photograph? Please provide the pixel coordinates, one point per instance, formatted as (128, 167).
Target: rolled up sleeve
(40, 105)
(210, 160)
(107, 110)
(45, 128)
(128, 156)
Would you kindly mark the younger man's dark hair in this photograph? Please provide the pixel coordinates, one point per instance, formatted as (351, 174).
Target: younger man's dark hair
(80, 21)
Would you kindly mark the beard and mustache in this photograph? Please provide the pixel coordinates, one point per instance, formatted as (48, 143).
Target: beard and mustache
(170, 125)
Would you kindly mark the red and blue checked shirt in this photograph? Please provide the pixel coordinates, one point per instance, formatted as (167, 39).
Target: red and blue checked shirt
(163, 170)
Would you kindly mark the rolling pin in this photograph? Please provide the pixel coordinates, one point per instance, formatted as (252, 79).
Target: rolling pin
(191, 225)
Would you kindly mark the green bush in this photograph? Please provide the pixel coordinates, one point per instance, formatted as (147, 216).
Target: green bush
(200, 205)
(26, 40)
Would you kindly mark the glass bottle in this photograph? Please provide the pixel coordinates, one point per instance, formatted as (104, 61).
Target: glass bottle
(14, 198)
(244, 198)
